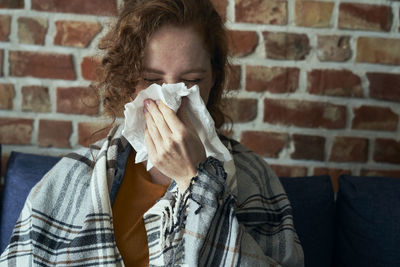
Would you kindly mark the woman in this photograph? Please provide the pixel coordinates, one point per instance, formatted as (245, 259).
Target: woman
(108, 211)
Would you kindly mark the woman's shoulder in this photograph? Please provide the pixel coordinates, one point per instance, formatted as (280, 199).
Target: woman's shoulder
(71, 169)
(75, 169)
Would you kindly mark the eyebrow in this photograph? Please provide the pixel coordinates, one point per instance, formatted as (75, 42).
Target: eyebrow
(196, 70)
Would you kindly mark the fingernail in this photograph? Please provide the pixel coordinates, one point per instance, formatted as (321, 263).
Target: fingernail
(145, 105)
(158, 102)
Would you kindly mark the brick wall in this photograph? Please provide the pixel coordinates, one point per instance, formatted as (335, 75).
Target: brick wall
(316, 91)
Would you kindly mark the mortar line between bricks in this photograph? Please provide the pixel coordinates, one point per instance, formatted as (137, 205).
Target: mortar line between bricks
(18, 98)
(310, 30)
(73, 139)
(305, 64)
(335, 15)
(291, 12)
(46, 116)
(395, 19)
(53, 98)
(230, 12)
(28, 4)
(60, 15)
(35, 132)
(355, 102)
(266, 127)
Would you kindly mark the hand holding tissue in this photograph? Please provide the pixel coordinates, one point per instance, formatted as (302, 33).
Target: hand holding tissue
(171, 95)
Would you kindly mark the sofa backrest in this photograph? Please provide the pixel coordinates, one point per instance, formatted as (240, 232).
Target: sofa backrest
(368, 222)
(362, 228)
(312, 200)
(22, 173)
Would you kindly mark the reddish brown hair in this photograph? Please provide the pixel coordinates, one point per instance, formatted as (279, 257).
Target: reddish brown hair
(124, 46)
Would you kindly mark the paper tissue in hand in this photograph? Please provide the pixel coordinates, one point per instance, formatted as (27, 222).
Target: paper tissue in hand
(171, 95)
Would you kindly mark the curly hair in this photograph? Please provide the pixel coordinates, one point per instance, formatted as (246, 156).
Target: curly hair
(124, 45)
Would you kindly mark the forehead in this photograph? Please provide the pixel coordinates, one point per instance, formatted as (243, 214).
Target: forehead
(174, 47)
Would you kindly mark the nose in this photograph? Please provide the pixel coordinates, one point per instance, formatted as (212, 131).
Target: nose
(170, 80)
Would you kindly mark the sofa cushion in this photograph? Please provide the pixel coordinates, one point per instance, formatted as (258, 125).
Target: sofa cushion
(1, 183)
(368, 222)
(22, 173)
(312, 200)
(1, 162)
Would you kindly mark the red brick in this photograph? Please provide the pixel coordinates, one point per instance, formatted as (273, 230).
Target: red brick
(333, 48)
(94, 7)
(5, 22)
(89, 68)
(289, 171)
(16, 131)
(54, 133)
(32, 30)
(286, 46)
(77, 100)
(384, 173)
(349, 149)
(272, 79)
(266, 144)
(304, 113)
(261, 11)
(234, 76)
(313, 13)
(334, 83)
(333, 174)
(387, 150)
(76, 33)
(365, 17)
(384, 86)
(241, 110)
(375, 118)
(378, 50)
(41, 65)
(308, 147)
(221, 7)
(17, 4)
(90, 132)
(6, 95)
(36, 99)
(242, 43)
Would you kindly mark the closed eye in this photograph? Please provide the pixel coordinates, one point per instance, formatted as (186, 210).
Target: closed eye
(151, 80)
(195, 81)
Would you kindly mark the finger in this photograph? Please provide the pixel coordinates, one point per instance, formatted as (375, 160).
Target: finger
(151, 147)
(152, 129)
(158, 118)
(172, 120)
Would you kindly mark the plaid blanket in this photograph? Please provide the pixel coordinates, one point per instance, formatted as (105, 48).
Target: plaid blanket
(243, 220)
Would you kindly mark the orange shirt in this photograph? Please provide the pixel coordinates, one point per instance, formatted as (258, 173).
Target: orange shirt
(135, 196)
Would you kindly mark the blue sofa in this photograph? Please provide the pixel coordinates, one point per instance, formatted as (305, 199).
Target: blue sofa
(360, 228)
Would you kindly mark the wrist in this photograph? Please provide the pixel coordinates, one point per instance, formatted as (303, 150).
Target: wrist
(183, 186)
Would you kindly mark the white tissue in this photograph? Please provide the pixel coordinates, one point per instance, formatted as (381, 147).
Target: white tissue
(171, 95)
